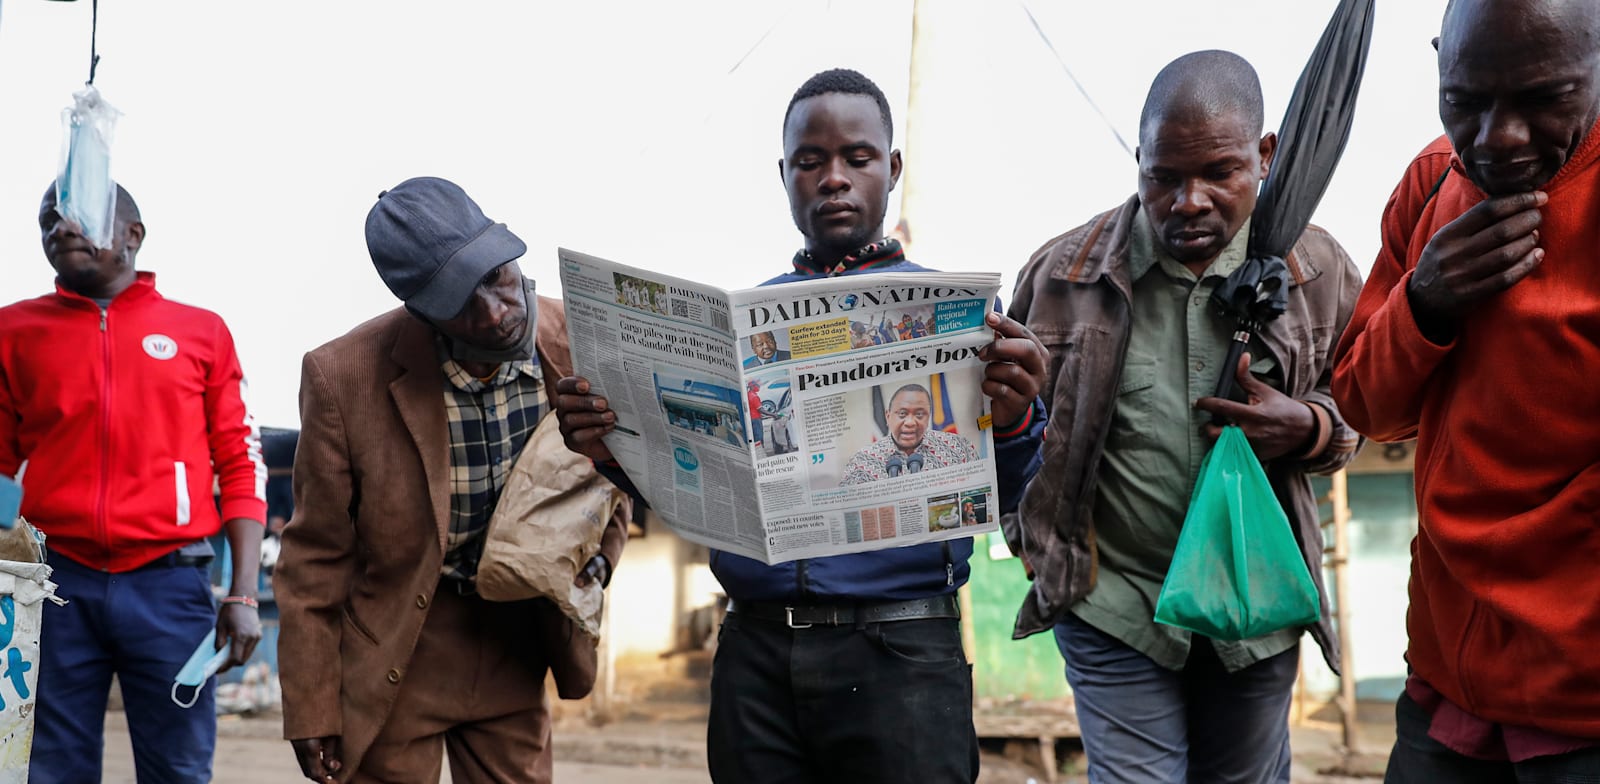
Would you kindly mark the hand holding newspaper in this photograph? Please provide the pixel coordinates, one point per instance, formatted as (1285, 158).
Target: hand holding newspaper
(795, 421)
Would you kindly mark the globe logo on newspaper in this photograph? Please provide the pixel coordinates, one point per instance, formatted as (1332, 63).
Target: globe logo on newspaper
(848, 302)
(686, 459)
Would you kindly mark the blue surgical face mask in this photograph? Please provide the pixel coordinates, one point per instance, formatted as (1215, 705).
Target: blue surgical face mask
(85, 191)
(202, 664)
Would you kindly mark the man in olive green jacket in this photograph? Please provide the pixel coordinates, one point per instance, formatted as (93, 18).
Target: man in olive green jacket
(1136, 349)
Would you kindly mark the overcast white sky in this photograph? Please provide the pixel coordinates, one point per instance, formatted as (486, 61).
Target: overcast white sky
(256, 135)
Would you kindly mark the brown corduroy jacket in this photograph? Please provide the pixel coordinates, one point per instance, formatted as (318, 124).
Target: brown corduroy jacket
(361, 558)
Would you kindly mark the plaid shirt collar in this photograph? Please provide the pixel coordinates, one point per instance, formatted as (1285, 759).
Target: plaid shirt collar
(460, 379)
(877, 254)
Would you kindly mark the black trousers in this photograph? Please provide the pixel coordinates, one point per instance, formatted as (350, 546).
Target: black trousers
(880, 703)
(1419, 759)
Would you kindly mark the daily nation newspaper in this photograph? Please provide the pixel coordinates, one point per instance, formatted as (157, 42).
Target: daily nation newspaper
(795, 421)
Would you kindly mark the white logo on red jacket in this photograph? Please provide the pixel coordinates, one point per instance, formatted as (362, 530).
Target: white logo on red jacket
(160, 346)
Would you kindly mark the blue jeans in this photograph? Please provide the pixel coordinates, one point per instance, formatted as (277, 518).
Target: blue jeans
(140, 626)
(1143, 723)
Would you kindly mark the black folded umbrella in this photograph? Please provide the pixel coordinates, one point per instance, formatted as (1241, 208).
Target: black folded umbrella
(1310, 141)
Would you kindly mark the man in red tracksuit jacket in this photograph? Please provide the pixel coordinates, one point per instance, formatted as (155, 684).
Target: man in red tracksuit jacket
(117, 409)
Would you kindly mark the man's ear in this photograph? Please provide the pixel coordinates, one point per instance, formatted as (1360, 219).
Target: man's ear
(781, 176)
(1136, 151)
(1436, 43)
(894, 168)
(1269, 148)
(133, 237)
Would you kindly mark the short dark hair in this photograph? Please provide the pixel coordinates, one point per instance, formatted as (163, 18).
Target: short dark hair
(909, 388)
(848, 82)
(1211, 81)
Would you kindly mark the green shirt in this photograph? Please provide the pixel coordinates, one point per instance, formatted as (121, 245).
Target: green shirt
(1154, 450)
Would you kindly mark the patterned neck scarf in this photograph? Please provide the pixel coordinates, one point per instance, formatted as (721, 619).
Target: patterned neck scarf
(877, 254)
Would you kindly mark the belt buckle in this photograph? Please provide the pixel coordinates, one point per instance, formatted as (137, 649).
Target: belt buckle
(788, 617)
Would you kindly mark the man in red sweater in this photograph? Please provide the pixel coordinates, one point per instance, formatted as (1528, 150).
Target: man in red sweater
(118, 408)
(1478, 334)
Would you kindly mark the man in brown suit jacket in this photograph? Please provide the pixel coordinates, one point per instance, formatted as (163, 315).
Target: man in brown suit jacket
(410, 426)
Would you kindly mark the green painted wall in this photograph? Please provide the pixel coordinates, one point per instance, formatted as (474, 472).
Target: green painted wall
(1004, 668)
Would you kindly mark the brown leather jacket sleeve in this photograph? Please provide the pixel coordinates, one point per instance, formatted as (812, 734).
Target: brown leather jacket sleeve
(1340, 273)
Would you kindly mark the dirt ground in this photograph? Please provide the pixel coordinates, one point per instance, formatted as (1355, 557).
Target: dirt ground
(246, 758)
(638, 749)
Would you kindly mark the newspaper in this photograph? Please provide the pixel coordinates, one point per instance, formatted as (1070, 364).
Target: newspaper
(796, 421)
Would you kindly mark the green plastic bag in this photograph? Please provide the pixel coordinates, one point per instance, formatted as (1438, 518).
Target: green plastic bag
(1237, 572)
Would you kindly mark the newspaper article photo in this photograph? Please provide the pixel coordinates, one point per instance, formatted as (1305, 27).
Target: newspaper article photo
(641, 294)
(903, 428)
(771, 409)
(765, 348)
(701, 405)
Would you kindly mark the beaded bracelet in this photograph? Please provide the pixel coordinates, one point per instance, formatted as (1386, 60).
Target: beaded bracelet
(244, 600)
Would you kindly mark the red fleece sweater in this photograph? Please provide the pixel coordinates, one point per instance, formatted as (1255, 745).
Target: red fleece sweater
(1505, 573)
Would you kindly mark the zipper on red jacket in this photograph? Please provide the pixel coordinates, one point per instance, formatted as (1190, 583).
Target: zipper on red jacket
(105, 451)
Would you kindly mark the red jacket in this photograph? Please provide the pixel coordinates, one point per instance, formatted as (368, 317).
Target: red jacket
(120, 415)
(1505, 574)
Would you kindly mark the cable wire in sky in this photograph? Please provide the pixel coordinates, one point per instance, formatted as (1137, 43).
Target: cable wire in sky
(1070, 75)
(761, 40)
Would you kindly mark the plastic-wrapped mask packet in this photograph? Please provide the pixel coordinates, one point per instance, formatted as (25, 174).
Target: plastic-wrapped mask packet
(85, 192)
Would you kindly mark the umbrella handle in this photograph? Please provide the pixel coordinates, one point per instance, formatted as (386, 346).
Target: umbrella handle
(1226, 383)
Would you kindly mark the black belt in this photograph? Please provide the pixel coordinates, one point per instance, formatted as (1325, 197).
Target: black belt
(173, 560)
(800, 616)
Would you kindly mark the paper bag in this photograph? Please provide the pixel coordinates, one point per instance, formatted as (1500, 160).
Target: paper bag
(24, 587)
(545, 528)
(21, 542)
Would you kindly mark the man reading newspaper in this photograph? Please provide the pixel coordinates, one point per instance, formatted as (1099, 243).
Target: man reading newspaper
(849, 667)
